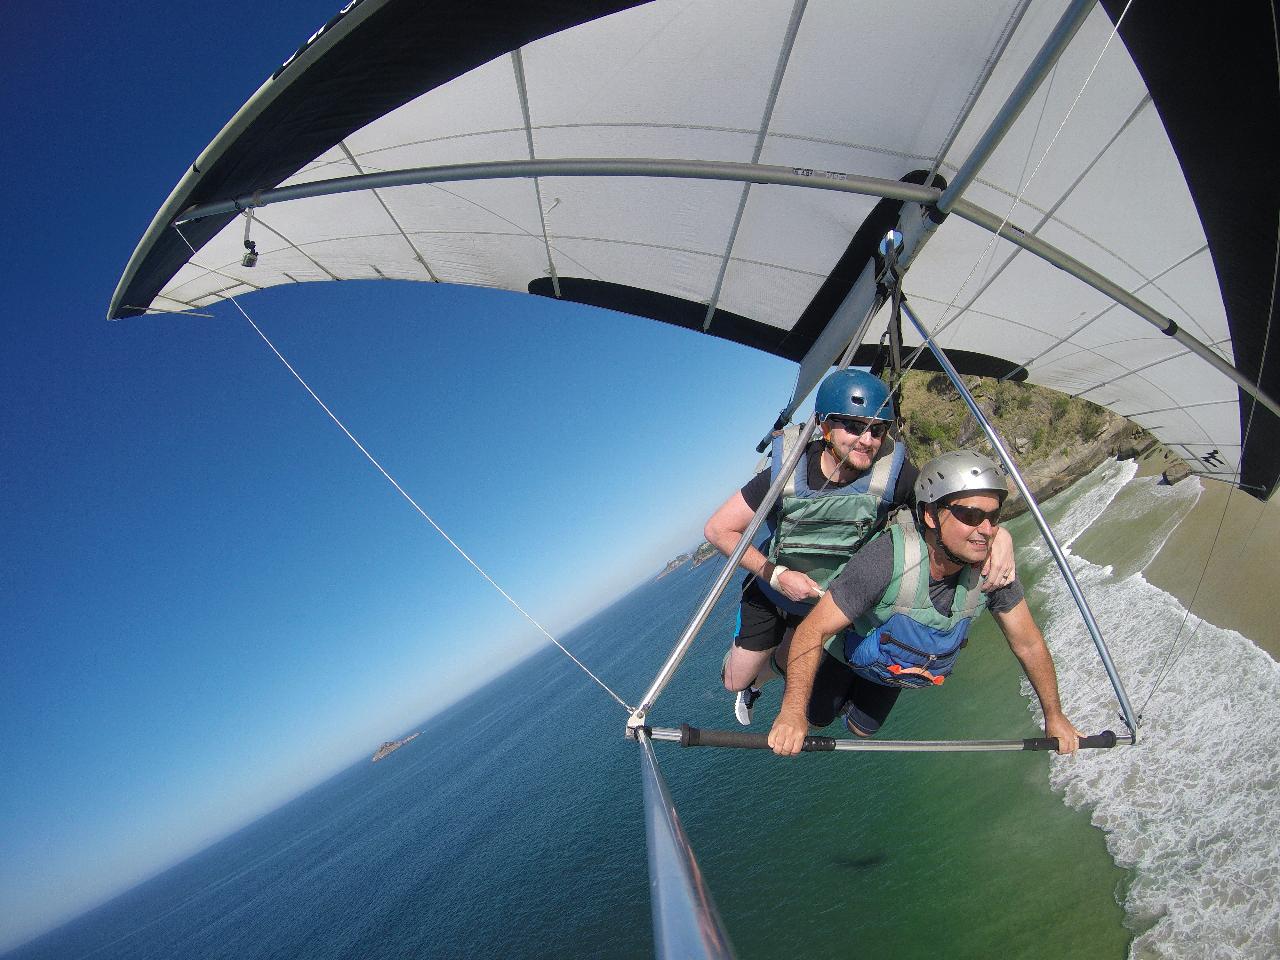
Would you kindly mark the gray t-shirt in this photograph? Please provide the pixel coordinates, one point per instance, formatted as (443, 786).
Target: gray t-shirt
(866, 577)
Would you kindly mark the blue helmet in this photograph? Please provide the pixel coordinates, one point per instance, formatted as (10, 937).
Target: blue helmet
(854, 393)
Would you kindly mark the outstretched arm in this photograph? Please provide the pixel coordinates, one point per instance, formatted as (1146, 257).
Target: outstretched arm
(792, 723)
(1027, 643)
(725, 529)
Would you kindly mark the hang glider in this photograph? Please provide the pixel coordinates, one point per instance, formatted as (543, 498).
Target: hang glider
(1140, 178)
(1078, 191)
(677, 113)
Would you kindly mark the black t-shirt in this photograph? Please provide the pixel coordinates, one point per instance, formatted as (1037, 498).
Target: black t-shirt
(865, 578)
(755, 489)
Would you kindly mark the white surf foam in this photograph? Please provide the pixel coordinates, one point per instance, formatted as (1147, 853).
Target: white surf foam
(1193, 809)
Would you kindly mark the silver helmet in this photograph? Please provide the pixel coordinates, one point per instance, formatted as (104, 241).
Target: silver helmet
(959, 471)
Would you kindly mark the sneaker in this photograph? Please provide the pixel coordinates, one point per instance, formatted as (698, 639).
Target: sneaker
(746, 699)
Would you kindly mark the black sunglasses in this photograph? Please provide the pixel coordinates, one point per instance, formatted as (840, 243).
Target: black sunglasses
(877, 428)
(972, 516)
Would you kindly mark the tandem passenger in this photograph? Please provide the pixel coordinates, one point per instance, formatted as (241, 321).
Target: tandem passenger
(844, 487)
(910, 596)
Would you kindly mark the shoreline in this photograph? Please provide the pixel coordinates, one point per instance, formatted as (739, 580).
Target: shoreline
(1238, 590)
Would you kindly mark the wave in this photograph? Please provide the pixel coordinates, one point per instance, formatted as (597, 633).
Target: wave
(1192, 810)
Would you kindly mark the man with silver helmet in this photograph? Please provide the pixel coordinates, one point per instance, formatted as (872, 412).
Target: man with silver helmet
(909, 598)
(846, 484)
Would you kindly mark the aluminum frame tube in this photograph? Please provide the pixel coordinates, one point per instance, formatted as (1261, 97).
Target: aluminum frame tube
(671, 735)
(685, 920)
(1064, 261)
(837, 342)
(1058, 557)
(730, 568)
(1039, 68)
(711, 170)
(914, 228)
(573, 167)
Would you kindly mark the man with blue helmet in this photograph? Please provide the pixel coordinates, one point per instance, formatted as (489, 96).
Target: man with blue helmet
(847, 482)
(910, 597)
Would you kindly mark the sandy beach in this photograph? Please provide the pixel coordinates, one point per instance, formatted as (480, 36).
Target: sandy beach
(1223, 575)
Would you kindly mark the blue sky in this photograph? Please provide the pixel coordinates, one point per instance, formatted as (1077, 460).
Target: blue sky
(209, 600)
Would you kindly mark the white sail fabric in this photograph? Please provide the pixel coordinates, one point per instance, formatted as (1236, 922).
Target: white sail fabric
(865, 88)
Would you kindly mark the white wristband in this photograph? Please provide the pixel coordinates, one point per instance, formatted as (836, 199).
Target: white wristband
(778, 571)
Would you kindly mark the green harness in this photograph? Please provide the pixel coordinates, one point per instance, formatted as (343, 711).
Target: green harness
(921, 637)
(816, 531)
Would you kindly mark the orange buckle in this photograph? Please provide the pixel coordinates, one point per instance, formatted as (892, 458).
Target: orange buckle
(897, 669)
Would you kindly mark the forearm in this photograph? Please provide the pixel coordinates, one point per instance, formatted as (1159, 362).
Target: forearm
(802, 667)
(1037, 664)
(1027, 643)
(792, 723)
(753, 561)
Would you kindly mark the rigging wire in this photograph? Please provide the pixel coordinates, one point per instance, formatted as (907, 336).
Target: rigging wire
(1178, 646)
(893, 274)
(1182, 638)
(413, 503)
(1017, 200)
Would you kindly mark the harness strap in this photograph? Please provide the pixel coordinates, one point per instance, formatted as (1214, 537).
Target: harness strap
(882, 470)
(973, 593)
(783, 444)
(912, 561)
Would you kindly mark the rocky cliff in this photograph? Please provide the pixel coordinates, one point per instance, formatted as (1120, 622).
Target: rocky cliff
(1054, 439)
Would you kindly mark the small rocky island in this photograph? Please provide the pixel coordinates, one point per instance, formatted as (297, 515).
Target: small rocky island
(391, 746)
(701, 555)
(673, 565)
(704, 553)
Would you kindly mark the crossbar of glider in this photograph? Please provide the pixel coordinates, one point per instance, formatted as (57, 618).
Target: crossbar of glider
(768, 174)
(761, 173)
(688, 736)
(1069, 264)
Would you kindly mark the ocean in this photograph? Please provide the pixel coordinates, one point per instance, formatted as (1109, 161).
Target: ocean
(512, 827)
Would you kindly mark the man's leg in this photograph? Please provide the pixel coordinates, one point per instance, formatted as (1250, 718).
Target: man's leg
(748, 664)
(759, 631)
(868, 706)
(747, 668)
(831, 686)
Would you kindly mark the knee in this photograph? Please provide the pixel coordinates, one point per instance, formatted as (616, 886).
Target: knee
(861, 725)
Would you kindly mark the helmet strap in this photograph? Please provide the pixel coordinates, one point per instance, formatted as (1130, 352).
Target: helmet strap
(937, 537)
(827, 445)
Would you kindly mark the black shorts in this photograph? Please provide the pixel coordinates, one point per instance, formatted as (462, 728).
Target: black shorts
(837, 689)
(761, 625)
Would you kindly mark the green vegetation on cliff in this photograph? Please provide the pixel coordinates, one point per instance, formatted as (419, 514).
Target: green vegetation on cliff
(1035, 423)
(1054, 439)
